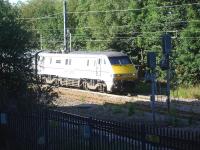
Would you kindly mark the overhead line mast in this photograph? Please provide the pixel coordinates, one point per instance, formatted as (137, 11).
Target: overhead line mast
(65, 25)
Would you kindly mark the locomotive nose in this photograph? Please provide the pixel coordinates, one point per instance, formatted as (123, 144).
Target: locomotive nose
(124, 72)
(123, 77)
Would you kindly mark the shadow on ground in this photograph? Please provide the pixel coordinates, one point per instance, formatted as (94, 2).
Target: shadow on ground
(181, 114)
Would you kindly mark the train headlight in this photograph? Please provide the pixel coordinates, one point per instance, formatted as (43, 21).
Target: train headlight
(129, 75)
(116, 75)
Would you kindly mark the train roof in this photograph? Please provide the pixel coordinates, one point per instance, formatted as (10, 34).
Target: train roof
(106, 53)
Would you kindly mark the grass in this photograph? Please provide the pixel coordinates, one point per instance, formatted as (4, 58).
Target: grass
(144, 88)
(187, 92)
(117, 109)
(131, 109)
(83, 98)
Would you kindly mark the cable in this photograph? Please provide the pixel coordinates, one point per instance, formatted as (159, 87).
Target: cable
(125, 33)
(126, 26)
(40, 18)
(45, 29)
(124, 10)
(106, 11)
(108, 40)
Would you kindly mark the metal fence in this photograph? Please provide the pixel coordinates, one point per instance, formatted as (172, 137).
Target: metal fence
(52, 130)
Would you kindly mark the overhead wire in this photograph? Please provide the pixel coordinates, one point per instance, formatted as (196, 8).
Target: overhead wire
(121, 38)
(119, 33)
(39, 18)
(125, 10)
(106, 11)
(122, 26)
(130, 35)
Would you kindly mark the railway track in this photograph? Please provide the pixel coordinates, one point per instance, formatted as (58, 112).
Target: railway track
(184, 108)
(116, 98)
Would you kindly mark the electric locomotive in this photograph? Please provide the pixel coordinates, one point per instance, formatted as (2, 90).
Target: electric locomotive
(102, 71)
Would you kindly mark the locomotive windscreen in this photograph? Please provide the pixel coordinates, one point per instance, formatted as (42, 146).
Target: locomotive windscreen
(122, 60)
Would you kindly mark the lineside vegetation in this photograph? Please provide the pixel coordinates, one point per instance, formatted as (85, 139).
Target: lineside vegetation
(132, 26)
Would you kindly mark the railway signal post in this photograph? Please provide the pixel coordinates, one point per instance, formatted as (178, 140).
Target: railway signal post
(165, 63)
(151, 62)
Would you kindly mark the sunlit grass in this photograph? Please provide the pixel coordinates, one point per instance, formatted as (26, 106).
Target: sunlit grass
(187, 92)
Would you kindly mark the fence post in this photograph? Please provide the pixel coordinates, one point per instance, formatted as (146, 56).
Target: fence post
(46, 129)
(143, 135)
(90, 130)
(4, 138)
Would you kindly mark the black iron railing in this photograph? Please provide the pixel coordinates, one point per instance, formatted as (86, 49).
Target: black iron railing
(52, 130)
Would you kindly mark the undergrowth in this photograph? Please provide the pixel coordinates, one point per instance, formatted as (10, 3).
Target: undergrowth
(187, 92)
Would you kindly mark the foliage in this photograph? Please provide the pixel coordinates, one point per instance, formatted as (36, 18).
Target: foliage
(131, 109)
(16, 74)
(187, 92)
(135, 31)
(13, 41)
(173, 117)
(117, 109)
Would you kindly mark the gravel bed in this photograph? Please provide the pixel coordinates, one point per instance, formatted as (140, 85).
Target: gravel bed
(114, 107)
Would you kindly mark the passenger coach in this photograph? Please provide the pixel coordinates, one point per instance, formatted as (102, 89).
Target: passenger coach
(102, 71)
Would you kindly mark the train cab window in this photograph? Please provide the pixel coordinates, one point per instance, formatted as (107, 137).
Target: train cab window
(58, 61)
(66, 62)
(121, 60)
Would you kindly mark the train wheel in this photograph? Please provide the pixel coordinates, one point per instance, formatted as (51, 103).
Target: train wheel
(85, 86)
(102, 89)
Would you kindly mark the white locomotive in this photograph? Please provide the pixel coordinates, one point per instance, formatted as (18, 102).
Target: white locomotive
(102, 71)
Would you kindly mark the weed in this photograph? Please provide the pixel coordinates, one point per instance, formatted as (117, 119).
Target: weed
(131, 109)
(83, 98)
(187, 92)
(174, 121)
(116, 109)
(142, 88)
(197, 96)
(190, 121)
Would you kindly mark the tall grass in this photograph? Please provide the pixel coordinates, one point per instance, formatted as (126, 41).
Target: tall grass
(187, 92)
(192, 92)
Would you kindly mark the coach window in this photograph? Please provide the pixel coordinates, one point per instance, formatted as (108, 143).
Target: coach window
(88, 62)
(66, 62)
(43, 58)
(70, 61)
(99, 61)
(58, 61)
(50, 60)
(104, 62)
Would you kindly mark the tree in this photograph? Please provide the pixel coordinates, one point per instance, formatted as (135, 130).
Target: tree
(16, 74)
(135, 31)
(188, 62)
(45, 18)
